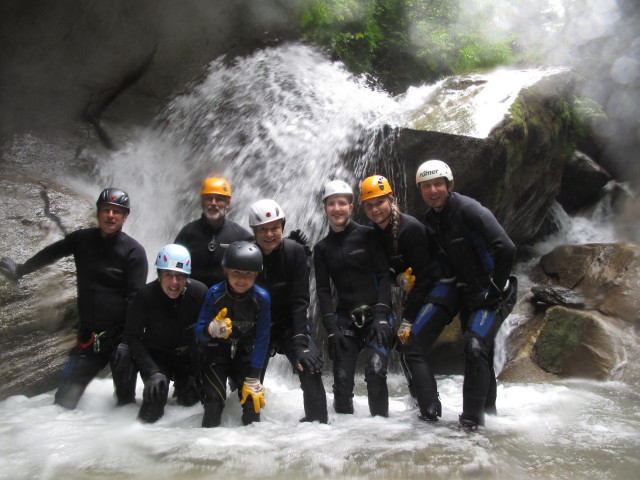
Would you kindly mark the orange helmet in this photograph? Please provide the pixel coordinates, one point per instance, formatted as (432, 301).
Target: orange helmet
(374, 186)
(215, 186)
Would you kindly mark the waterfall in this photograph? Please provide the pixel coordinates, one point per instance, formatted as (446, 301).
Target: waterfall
(277, 124)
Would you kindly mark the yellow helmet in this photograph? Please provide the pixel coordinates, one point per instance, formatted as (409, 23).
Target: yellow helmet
(215, 186)
(374, 186)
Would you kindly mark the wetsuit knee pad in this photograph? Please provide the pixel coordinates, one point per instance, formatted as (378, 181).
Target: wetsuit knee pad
(376, 366)
(474, 347)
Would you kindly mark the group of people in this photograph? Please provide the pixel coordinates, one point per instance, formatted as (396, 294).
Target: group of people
(226, 299)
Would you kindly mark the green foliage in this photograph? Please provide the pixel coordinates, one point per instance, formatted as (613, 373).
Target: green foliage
(420, 39)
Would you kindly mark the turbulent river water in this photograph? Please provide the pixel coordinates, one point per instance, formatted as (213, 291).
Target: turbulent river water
(278, 124)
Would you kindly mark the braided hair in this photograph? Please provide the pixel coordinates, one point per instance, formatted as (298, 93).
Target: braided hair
(395, 222)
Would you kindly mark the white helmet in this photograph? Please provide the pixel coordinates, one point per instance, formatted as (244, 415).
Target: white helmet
(336, 187)
(433, 169)
(265, 211)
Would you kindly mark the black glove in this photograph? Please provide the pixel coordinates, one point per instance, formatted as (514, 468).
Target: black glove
(300, 237)
(155, 388)
(10, 269)
(122, 357)
(382, 331)
(310, 360)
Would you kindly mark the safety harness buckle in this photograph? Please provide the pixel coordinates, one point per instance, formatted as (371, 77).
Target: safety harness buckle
(359, 315)
(96, 341)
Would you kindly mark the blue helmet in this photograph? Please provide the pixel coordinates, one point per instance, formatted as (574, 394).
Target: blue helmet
(174, 257)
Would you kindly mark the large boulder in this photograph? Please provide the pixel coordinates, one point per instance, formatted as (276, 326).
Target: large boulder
(608, 275)
(583, 315)
(582, 183)
(516, 171)
(579, 343)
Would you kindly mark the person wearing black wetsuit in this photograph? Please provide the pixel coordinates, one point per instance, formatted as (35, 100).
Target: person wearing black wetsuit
(111, 267)
(481, 255)
(351, 259)
(429, 305)
(285, 275)
(159, 332)
(208, 237)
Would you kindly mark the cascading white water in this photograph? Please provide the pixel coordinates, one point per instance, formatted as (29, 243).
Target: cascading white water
(277, 124)
(469, 105)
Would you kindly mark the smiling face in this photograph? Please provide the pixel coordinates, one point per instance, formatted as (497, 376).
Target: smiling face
(435, 193)
(268, 236)
(111, 218)
(172, 283)
(214, 207)
(240, 280)
(338, 209)
(378, 210)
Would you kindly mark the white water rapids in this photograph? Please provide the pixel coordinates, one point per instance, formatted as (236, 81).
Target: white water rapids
(277, 125)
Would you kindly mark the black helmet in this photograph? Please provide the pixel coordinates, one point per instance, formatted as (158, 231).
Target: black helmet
(114, 196)
(243, 256)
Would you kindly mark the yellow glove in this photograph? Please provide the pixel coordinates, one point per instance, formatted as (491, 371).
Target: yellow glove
(405, 280)
(220, 327)
(253, 387)
(403, 332)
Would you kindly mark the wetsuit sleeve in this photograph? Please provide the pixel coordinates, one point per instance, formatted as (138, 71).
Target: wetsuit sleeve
(416, 246)
(137, 270)
(299, 293)
(500, 246)
(263, 329)
(381, 268)
(207, 313)
(182, 238)
(50, 254)
(137, 320)
(323, 281)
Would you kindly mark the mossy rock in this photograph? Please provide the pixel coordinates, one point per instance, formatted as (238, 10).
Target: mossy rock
(579, 343)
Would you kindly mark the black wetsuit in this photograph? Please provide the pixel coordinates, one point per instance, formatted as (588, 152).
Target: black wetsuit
(354, 261)
(424, 307)
(110, 271)
(207, 246)
(285, 275)
(482, 255)
(159, 333)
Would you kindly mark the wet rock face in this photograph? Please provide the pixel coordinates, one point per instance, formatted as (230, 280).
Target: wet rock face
(577, 343)
(555, 295)
(516, 171)
(607, 275)
(586, 314)
(582, 182)
(117, 61)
